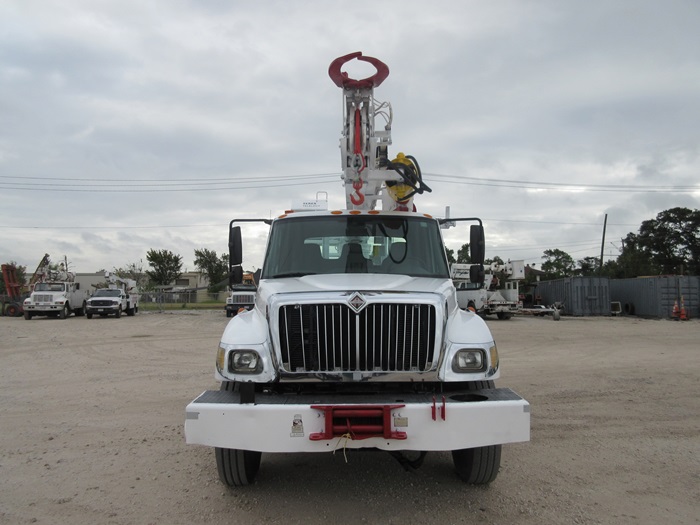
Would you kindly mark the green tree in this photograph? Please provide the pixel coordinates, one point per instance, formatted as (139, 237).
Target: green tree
(166, 267)
(672, 241)
(214, 267)
(450, 255)
(634, 260)
(557, 264)
(134, 271)
(463, 255)
(588, 266)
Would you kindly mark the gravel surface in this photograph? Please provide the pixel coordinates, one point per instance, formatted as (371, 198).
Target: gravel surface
(92, 414)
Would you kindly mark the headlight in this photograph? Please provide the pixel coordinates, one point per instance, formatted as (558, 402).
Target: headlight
(220, 359)
(468, 360)
(245, 362)
(493, 351)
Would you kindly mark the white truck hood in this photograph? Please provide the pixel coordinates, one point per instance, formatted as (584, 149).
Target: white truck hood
(356, 282)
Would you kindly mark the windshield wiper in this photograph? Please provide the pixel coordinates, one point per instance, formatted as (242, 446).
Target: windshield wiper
(291, 274)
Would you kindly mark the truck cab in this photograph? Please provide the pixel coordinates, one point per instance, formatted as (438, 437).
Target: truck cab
(356, 336)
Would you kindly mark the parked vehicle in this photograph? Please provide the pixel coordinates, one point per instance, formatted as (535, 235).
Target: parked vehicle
(356, 339)
(120, 297)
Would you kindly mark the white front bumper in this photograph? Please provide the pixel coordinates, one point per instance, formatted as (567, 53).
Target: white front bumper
(277, 423)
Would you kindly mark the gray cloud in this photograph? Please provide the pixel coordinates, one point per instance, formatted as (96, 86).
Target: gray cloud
(121, 96)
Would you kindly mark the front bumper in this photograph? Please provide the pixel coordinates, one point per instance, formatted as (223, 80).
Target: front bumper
(109, 310)
(283, 423)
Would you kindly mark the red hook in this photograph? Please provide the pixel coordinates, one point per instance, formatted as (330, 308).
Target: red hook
(342, 79)
(357, 185)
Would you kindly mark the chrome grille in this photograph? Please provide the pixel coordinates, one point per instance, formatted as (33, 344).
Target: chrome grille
(243, 298)
(333, 338)
(101, 302)
(43, 298)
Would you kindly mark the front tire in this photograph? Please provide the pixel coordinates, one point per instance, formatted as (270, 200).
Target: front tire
(88, 315)
(64, 312)
(477, 466)
(480, 465)
(119, 313)
(237, 468)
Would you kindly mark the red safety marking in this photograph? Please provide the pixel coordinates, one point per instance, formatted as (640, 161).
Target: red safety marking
(342, 79)
(434, 410)
(444, 409)
(344, 420)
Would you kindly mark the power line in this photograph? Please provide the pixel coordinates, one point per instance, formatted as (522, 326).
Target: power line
(230, 182)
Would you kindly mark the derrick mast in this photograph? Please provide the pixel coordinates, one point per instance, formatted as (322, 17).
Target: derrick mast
(368, 173)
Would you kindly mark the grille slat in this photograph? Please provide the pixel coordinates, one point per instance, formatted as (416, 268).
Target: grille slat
(332, 337)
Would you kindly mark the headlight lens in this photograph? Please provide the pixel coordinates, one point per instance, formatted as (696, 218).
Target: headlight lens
(245, 362)
(493, 351)
(220, 359)
(468, 360)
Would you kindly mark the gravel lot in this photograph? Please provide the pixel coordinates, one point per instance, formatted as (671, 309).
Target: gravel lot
(92, 414)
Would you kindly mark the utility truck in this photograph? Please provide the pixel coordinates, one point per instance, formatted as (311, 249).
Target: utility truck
(120, 296)
(55, 293)
(490, 297)
(241, 298)
(356, 340)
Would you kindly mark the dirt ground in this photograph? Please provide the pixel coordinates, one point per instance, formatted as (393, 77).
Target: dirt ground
(92, 414)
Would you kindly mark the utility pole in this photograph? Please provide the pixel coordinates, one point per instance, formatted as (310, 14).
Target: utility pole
(602, 245)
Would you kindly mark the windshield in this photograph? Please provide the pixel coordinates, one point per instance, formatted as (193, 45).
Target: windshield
(49, 287)
(355, 244)
(107, 292)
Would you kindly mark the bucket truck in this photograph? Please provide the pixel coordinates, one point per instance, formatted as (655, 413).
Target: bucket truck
(356, 340)
(120, 296)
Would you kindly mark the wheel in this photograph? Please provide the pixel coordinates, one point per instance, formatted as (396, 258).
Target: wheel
(64, 312)
(504, 315)
(119, 313)
(89, 316)
(228, 313)
(479, 465)
(130, 311)
(27, 315)
(12, 310)
(79, 312)
(237, 468)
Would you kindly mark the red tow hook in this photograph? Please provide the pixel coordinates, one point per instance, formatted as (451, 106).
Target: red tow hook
(357, 185)
(342, 79)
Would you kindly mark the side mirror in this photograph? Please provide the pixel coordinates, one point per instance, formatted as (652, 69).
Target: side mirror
(477, 244)
(236, 275)
(235, 246)
(476, 273)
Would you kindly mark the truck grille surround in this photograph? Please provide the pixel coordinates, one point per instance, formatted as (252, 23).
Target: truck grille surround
(380, 338)
(101, 302)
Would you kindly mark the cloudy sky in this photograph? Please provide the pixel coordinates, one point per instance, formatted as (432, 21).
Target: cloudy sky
(126, 126)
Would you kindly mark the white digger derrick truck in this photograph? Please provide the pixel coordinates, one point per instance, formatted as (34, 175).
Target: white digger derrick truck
(356, 340)
(55, 294)
(487, 297)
